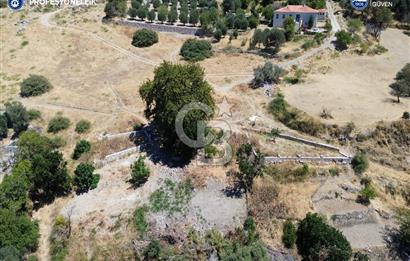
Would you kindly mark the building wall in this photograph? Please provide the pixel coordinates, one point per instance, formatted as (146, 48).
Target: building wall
(278, 19)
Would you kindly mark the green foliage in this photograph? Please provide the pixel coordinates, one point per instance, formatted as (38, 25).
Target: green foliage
(288, 174)
(82, 126)
(268, 73)
(403, 218)
(31, 144)
(14, 188)
(315, 238)
(58, 142)
(144, 38)
(81, 147)
(84, 178)
(290, 27)
(294, 118)
(139, 172)
(3, 126)
(17, 116)
(360, 163)
(193, 16)
(172, 197)
(9, 253)
(162, 13)
(210, 151)
(343, 39)
(289, 234)
(367, 193)
(173, 87)
(196, 50)
(140, 220)
(59, 239)
(114, 8)
(173, 15)
(272, 39)
(34, 85)
(251, 163)
(253, 22)
(18, 231)
(406, 115)
(33, 115)
(316, 4)
(152, 251)
(132, 12)
(151, 15)
(358, 256)
(380, 18)
(401, 87)
(58, 123)
(142, 12)
(354, 25)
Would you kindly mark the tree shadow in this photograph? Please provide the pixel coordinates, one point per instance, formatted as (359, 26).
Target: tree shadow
(147, 138)
(396, 247)
(233, 191)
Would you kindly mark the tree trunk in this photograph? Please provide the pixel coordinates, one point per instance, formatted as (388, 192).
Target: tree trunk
(398, 99)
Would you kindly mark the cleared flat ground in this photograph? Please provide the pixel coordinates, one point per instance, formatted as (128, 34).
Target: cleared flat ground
(356, 87)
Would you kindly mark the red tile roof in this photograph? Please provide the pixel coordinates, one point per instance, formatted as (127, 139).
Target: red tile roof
(296, 9)
(324, 10)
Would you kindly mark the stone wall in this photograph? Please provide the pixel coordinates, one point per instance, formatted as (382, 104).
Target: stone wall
(163, 27)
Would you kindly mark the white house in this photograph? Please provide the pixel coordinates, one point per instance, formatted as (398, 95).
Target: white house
(300, 13)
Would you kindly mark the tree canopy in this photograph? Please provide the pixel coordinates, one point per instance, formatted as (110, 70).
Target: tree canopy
(316, 240)
(139, 172)
(173, 87)
(144, 38)
(34, 85)
(84, 178)
(17, 116)
(196, 50)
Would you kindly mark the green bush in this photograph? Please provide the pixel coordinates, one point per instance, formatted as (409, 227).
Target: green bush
(81, 147)
(360, 163)
(139, 172)
(3, 126)
(366, 194)
(196, 50)
(289, 234)
(140, 221)
(403, 218)
(294, 118)
(84, 178)
(315, 237)
(144, 38)
(33, 115)
(58, 123)
(172, 197)
(406, 115)
(152, 251)
(82, 126)
(58, 142)
(17, 116)
(210, 151)
(343, 39)
(18, 231)
(59, 239)
(34, 85)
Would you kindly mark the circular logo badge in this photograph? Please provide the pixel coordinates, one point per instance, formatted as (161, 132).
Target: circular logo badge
(15, 4)
(359, 4)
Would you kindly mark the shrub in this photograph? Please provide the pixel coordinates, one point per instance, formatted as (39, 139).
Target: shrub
(294, 118)
(210, 151)
(172, 197)
(343, 39)
(139, 172)
(406, 115)
(82, 126)
(315, 237)
(140, 221)
(34, 85)
(196, 50)
(81, 147)
(144, 38)
(268, 73)
(59, 239)
(366, 194)
(58, 142)
(18, 231)
(3, 126)
(84, 178)
(289, 234)
(17, 116)
(403, 219)
(58, 123)
(33, 115)
(360, 163)
(152, 251)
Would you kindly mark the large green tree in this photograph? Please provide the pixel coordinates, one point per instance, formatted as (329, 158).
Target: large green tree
(173, 87)
(380, 18)
(84, 178)
(316, 240)
(251, 163)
